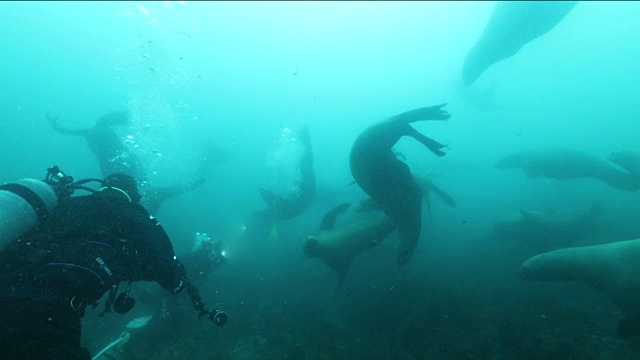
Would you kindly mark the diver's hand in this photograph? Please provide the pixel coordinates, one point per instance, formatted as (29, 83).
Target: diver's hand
(202, 312)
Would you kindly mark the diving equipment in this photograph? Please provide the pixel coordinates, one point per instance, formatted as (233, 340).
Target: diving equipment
(22, 205)
(26, 202)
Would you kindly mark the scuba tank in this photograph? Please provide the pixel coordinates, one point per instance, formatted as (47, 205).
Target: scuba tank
(23, 204)
(26, 202)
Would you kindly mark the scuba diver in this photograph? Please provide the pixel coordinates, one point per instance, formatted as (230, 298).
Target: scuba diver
(149, 331)
(205, 256)
(85, 247)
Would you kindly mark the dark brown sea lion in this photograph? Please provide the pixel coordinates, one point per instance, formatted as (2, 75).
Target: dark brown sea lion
(387, 179)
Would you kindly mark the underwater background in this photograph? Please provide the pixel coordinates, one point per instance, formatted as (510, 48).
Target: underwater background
(241, 74)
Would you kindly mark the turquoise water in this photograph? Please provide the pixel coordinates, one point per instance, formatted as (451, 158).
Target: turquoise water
(238, 73)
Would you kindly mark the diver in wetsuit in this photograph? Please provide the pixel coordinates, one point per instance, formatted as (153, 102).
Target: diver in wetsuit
(84, 249)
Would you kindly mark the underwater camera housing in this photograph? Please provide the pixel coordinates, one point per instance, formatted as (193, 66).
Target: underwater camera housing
(217, 317)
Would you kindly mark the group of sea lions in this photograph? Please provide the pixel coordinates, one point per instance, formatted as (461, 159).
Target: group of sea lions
(611, 268)
(388, 180)
(396, 195)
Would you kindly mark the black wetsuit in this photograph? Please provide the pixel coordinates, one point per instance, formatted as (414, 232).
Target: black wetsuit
(87, 246)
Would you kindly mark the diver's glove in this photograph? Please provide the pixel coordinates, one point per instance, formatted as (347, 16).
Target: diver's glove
(216, 316)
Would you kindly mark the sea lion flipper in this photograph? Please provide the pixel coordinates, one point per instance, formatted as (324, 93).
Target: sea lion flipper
(443, 195)
(329, 219)
(368, 205)
(428, 142)
(63, 130)
(424, 113)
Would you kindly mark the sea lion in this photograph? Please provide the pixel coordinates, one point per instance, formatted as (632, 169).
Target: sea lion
(563, 164)
(299, 197)
(338, 246)
(543, 232)
(114, 156)
(387, 179)
(512, 25)
(612, 269)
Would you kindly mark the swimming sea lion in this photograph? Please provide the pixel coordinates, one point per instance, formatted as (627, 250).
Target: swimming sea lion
(338, 246)
(563, 164)
(290, 205)
(512, 25)
(114, 156)
(612, 269)
(543, 232)
(387, 179)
